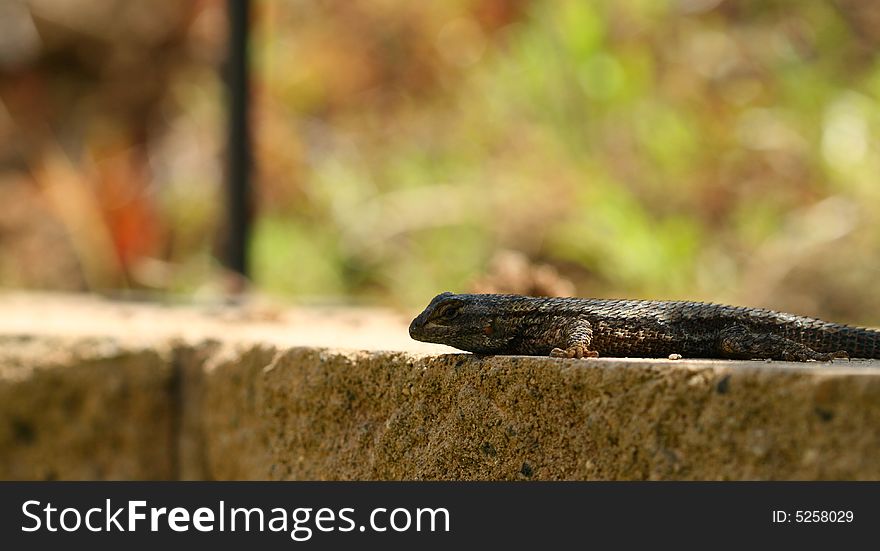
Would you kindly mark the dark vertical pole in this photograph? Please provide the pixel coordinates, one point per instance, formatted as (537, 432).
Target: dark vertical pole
(238, 197)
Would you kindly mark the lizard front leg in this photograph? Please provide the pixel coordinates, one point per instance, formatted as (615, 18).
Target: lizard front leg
(577, 335)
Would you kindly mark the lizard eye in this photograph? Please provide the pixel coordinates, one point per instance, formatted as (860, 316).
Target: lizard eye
(448, 311)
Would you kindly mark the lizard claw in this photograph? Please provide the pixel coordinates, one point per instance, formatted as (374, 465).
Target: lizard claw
(576, 351)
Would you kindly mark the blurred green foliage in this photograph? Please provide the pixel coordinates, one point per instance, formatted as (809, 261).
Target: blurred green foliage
(721, 150)
(646, 148)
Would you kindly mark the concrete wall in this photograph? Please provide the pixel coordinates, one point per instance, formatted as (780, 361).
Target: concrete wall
(171, 403)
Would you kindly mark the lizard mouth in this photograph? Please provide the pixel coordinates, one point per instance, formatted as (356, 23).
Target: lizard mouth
(422, 331)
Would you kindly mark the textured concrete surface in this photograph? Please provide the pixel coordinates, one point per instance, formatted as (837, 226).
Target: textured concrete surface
(124, 391)
(85, 409)
(329, 415)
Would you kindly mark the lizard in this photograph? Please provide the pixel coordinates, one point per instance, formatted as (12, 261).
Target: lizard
(493, 324)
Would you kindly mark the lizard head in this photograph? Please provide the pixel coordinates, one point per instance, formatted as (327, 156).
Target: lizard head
(466, 322)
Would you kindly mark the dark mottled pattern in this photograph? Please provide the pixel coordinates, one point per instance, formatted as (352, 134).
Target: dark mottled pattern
(576, 327)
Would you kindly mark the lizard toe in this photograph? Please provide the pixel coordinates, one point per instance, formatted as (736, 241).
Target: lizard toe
(576, 351)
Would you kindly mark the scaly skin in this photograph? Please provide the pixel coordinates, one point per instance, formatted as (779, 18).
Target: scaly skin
(579, 327)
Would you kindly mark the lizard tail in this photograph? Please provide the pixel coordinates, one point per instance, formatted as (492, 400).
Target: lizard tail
(857, 342)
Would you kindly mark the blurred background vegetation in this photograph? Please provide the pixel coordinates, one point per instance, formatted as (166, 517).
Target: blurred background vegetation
(723, 150)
